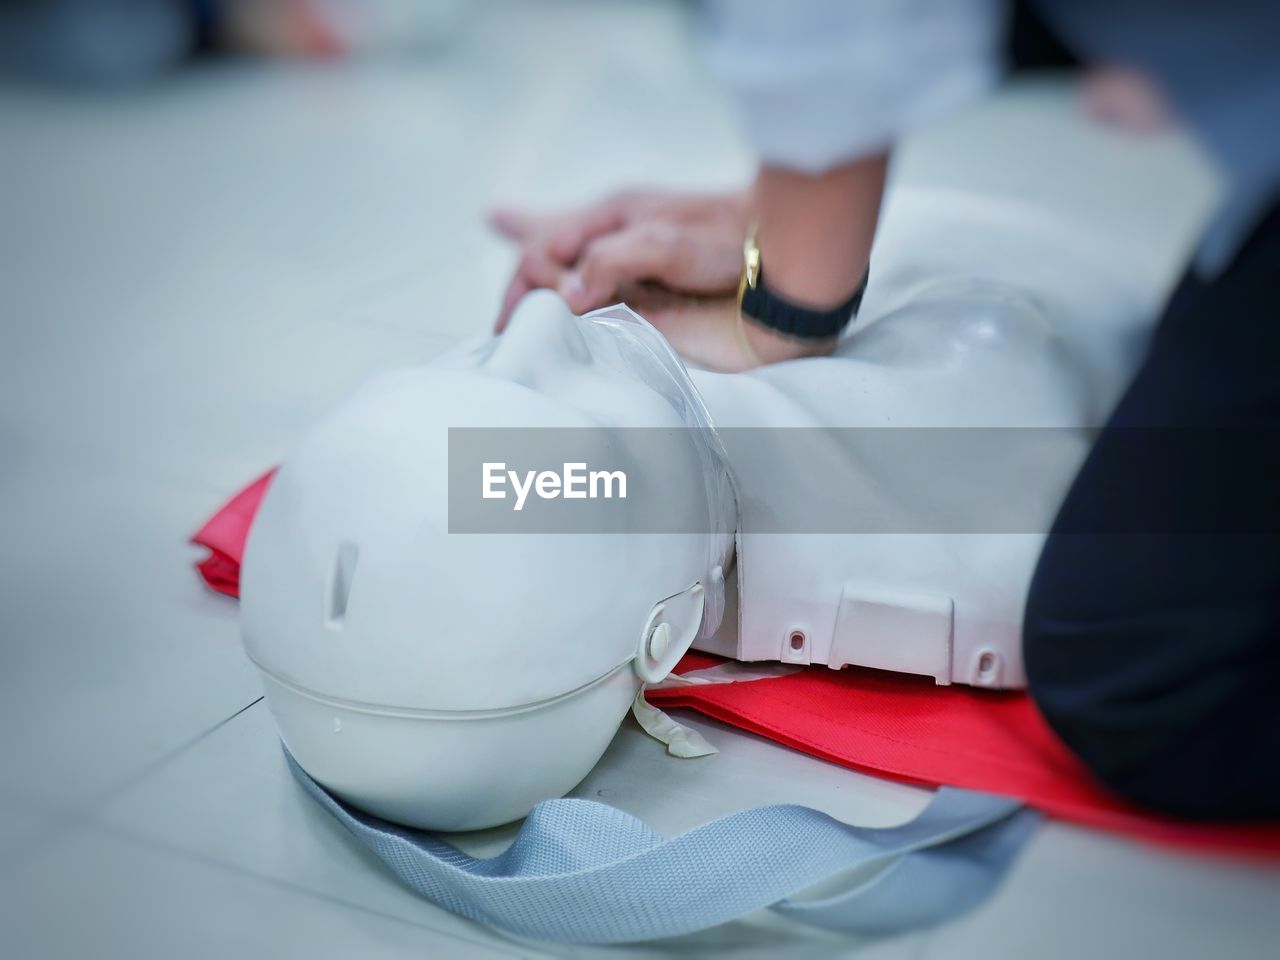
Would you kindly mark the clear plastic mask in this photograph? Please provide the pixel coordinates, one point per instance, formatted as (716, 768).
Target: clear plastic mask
(625, 350)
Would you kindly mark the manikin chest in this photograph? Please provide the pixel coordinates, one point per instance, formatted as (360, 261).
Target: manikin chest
(894, 497)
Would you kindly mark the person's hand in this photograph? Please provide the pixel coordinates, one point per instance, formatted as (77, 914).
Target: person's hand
(673, 258)
(684, 245)
(1126, 98)
(705, 331)
(708, 332)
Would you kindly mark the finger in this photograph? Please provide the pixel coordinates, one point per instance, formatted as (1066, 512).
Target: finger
(516, 289)
(703, 262)
(566, 241)
(539, 269)
(535, 271)
(512, 224)
(561, 236)
(610, 262)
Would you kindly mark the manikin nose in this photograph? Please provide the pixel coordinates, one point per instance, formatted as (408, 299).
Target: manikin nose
(542, 337)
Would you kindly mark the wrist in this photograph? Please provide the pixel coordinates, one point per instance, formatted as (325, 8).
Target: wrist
(815, 231)
(800, 272)
(761, 304)
(765, 345)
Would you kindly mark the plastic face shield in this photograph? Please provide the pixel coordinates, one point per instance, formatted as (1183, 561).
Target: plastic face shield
(625, 353)
(620, 338)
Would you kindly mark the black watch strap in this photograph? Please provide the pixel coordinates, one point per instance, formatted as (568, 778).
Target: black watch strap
(766, 308)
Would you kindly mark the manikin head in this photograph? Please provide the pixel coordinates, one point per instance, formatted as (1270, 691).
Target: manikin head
(452, 680)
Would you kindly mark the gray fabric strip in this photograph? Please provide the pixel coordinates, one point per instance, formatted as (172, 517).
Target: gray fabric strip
(583, 872)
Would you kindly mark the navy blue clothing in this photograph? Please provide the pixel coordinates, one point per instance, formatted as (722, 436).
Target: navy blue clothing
(1155, 653)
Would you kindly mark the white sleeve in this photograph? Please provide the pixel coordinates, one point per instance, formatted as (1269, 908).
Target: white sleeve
(822, 82)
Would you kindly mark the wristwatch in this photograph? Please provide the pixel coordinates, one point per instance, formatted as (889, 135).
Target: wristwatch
(758, 303)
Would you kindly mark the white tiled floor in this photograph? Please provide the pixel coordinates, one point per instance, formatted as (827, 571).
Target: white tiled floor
(115, 896)
(191, 273)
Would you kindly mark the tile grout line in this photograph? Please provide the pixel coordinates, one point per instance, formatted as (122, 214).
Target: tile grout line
(162, 761)
(81, 814)
(181, 853)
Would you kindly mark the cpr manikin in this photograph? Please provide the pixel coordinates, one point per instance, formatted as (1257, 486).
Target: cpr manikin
(451, 681)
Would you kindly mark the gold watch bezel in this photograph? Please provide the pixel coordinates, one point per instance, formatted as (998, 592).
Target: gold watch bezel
(750, 265)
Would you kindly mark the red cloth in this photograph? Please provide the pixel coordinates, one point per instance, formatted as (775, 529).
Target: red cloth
(890, 724)
(225, 533)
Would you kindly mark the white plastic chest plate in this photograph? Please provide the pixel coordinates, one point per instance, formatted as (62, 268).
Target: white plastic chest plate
(893, 630)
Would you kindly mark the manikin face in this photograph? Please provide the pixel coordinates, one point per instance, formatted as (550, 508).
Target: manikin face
(367, 509)
(610, 367)
(612, 370)
(449, 677)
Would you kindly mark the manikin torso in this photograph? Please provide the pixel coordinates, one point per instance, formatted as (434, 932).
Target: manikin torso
(979, 315)
(396, 649)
